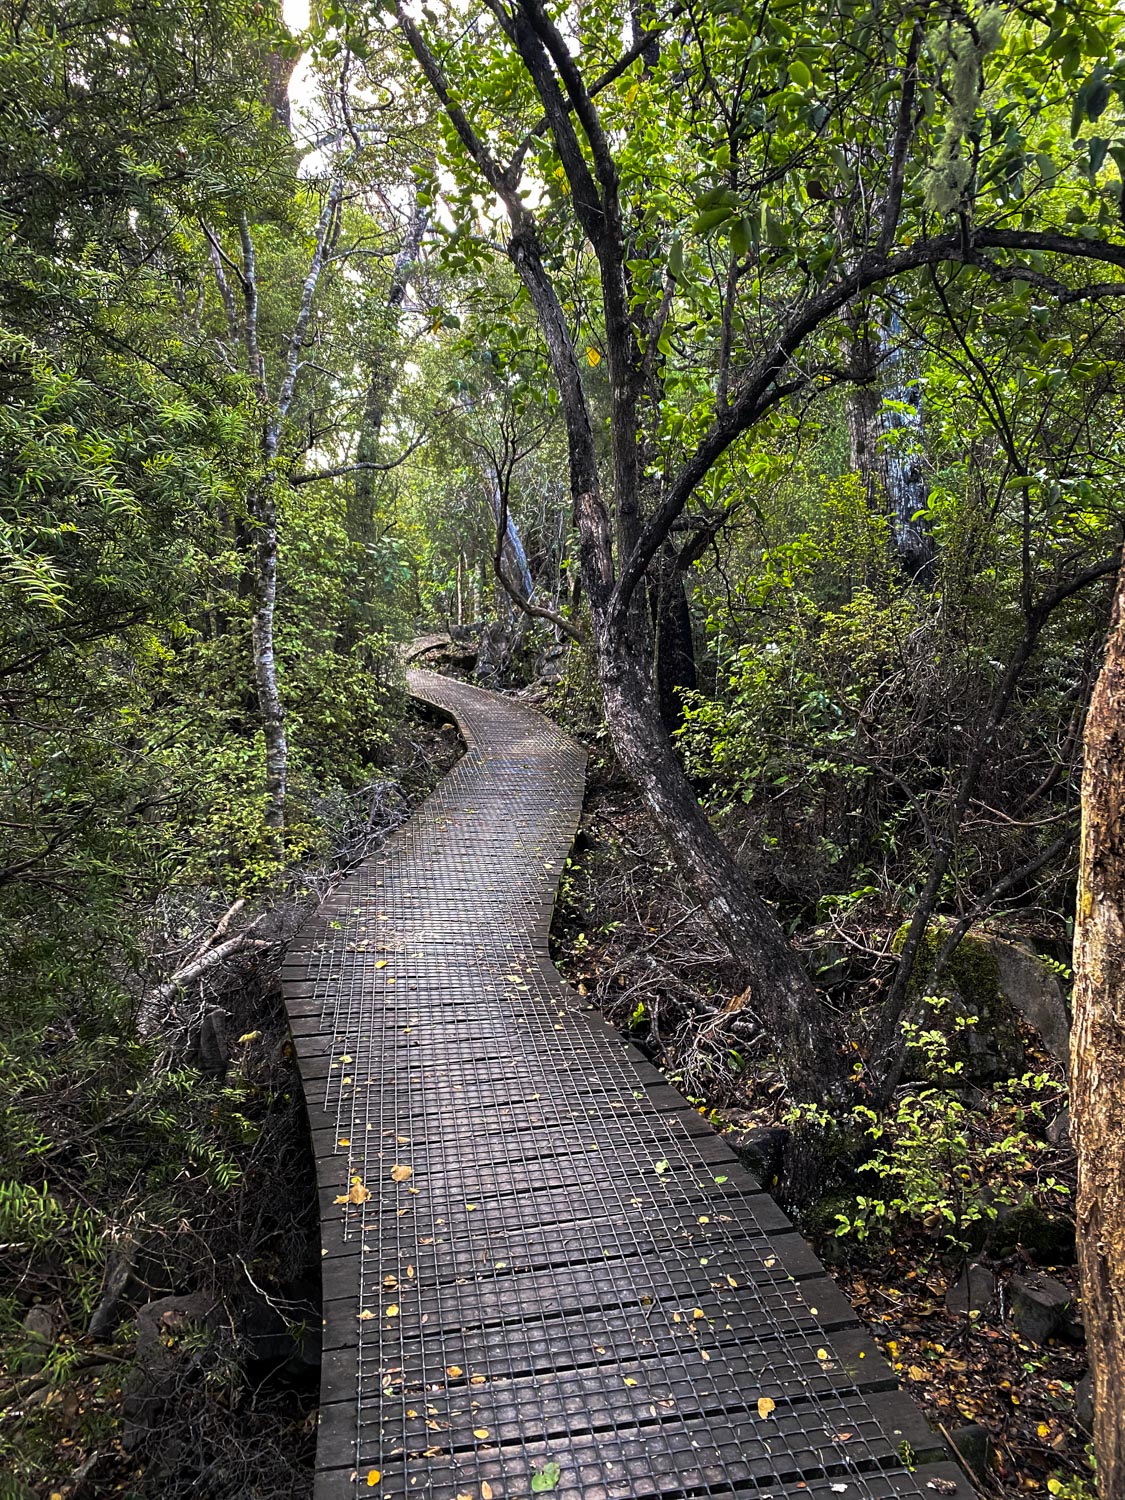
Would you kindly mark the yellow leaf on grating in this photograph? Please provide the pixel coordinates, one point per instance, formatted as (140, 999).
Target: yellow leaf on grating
(455, 1371)
(356, 1193)
(401, 1174)
(480, 1432)
(485, 1490)
(382, 964)
(343, 1141)
(365, 1316)
(593, 357)
(373, 1478)
(629, 1380)
(392, 1311)
(765, 1406)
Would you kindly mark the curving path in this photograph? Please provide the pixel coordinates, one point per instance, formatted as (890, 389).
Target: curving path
(543, 1271)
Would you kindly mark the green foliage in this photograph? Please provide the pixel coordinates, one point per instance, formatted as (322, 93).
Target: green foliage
(943, 1166)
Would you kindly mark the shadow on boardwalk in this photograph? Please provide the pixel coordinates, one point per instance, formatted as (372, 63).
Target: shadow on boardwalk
(543, 1271)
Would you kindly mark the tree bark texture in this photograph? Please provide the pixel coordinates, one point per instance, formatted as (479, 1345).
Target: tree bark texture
(675, 644)
(1098, 1055)
(884, 441)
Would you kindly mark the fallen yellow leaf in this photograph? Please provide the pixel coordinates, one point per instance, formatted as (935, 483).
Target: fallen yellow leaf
(480, 1432)
(343, 1141)
(629, 1380)
(356, 1193)
(365, 1316)
(485, 1490)
(392, 1311)
(765, 1406)
(382, 964)
(454, 1370)
(373, 1478)
(401, 1174)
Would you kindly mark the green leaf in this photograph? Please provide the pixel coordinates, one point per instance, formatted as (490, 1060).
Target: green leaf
(799, 74)
(710, 220)
(546, 1478)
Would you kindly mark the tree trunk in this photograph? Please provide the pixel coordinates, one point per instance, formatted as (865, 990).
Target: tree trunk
(782, 995)
(270, 710)
(1098, 1055)
(675, 644)
(885, 440)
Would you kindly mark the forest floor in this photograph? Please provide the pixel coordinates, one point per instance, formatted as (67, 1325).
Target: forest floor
(625, 935)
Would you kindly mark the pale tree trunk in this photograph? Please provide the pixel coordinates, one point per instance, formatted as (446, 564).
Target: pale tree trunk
(381, 382)
(885, 441)
(262, 503)
(1098, 1055)
(271, 713)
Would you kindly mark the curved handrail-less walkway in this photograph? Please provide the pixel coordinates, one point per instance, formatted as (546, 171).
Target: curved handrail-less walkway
(574, 1271)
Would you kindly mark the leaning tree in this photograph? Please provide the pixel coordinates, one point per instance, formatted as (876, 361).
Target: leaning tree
(935, 134)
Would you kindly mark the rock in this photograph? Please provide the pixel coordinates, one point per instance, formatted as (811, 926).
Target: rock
(974, 1444)
(761, 1149)
(1039, 1306)
(214, 1049)
(993, 984)
(973, 1291)
(39, 1335)
(165, 1355)
(968, 1009)
(1047, 1237)
(1030, 986)
(551, 664)
(118, 1273)
(1084, 1403)
(1058, 1131)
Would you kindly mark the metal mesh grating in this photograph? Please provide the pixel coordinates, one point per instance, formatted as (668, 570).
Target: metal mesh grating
(536, 1291)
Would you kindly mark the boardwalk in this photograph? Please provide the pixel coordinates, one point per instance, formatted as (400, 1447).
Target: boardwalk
(543, 1271)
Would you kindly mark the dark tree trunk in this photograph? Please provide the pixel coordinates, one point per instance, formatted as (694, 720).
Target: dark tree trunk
(781, 993)
(1098, 1056)
(675, 643)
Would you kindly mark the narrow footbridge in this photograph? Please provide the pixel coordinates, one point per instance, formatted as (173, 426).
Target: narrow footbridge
(544, 1273)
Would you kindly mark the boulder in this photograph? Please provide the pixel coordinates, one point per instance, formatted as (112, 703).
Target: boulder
(1040, 1306)
(168, 1352)
(761, 1149)
(973, 1292)
(1035, 992)
(993, 985)
(39, 1334)
(1047, 1237)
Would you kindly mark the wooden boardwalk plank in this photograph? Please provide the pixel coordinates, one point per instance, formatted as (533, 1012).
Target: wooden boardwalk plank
(535, 1252)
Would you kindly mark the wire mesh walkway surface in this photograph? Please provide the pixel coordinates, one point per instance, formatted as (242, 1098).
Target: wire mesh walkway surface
(543, 1271)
